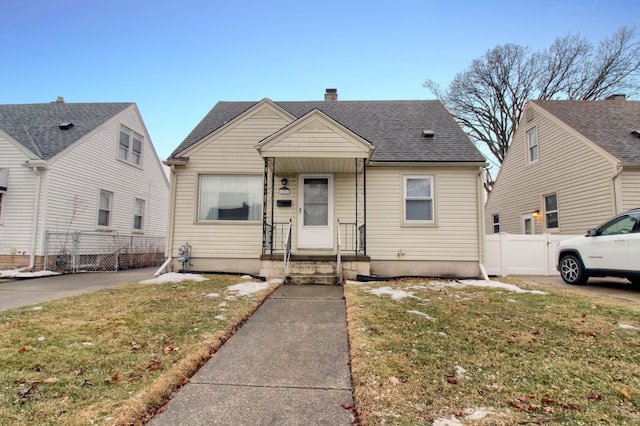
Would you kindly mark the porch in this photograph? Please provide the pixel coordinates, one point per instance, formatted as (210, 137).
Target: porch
(314, 211)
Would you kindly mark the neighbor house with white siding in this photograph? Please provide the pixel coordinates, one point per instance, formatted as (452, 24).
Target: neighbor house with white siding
(331, 188)
(75, 167)
(571, 165)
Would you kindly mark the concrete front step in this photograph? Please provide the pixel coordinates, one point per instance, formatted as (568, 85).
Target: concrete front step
(316, 279)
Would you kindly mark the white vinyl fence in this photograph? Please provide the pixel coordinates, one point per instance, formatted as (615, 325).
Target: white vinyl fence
(514, 254)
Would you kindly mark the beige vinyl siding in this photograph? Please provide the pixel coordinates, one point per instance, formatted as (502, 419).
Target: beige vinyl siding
(16, 221)
(76, 176)
(630, 179)
(454, 236)
(230, 152)
(577, 171)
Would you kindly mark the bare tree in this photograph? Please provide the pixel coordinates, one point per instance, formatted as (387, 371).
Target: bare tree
(488, 98)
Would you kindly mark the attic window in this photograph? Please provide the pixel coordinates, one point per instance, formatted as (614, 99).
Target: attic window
(428, 133)
(635, 133)
(65, 126)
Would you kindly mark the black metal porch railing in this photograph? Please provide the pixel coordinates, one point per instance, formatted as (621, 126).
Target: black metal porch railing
(352, 237)
(276, 237)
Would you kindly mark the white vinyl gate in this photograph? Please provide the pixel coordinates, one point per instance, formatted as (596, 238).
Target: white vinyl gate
(517, 254)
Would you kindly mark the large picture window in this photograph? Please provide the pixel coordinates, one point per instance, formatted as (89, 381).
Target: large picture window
(418, 198)
(230, 198)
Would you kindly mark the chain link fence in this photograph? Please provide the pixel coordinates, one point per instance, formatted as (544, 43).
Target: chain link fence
(101, 251)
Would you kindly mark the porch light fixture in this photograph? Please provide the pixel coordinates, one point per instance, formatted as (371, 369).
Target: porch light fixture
(535, 213)
(284, 190)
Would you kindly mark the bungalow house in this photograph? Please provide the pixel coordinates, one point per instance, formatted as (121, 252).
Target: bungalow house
(71, 168)
(386, 188)
(571, 165)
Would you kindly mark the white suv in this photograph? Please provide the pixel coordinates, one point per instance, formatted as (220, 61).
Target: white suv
(611, 250)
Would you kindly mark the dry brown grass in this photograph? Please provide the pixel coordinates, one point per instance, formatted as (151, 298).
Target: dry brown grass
(490, 356)
(113, 356)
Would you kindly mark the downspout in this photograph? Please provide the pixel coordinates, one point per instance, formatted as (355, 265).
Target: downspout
(614, 179)
(36, 212)
(480, 203)
(172, 216)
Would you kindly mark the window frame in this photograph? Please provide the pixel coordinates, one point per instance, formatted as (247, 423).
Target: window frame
(135, 208)
(430, 198)
(496, 222)
(534, 131)
(109, 211)
(259, 189)
(131, 155)
(2, 206)
(548, 212)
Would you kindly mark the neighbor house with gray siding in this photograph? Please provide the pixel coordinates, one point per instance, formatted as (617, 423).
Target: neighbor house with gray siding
(571, 165)
(336, 188)
(75, 167)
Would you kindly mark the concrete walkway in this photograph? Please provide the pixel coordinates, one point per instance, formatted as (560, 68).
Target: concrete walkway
(287, 365)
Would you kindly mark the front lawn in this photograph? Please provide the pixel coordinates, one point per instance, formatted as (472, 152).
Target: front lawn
(443, 352)
(114, 356)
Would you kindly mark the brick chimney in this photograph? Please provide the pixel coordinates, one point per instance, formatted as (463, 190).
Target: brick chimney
(331, 95)
(60, 100)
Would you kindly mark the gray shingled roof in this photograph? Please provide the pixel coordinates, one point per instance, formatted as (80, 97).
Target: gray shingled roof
(393, 127)
(35, 126)
(607, 123)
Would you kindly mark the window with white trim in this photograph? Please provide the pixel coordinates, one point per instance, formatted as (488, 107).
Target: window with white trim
(236, 198)
(551, 211)
(104, 208)
(496, 223)
(138, 214)
(418, 199)
(532, 144)
(130, 146)
(1, 196)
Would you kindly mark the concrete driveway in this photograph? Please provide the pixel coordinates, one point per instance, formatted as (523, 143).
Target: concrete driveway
(611, 287)
(18, 293)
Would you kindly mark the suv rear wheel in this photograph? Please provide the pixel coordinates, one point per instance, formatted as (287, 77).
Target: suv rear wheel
(572, 271)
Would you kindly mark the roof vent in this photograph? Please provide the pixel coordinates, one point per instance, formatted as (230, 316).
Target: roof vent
(65, 126)
(331, 94)
(635, 133)
(616, 97)
(428, 133)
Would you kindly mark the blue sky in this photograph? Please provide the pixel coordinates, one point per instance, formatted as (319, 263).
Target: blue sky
(177, 59)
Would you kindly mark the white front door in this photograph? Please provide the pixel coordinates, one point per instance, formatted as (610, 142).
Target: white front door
(315, 212)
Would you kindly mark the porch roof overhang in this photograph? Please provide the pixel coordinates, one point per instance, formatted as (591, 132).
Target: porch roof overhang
(315, 143)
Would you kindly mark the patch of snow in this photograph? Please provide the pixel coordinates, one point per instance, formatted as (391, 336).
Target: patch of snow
(220, 317)
(245, 289)
(477, 413)
(460, 371)
(213, 295)
(246, 277)
(222, 304)
(439, 285)
(395, 294)
(41, 339)
(87, 343)
(174, 277)
(447, 421)
(422, 314)
(37, 308)
(16, 273)
(628, 327)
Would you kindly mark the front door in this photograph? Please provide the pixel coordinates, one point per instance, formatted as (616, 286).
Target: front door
(315, 212)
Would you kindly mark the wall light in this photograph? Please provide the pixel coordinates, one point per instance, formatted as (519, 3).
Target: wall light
(535, 213)
(284, 190)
